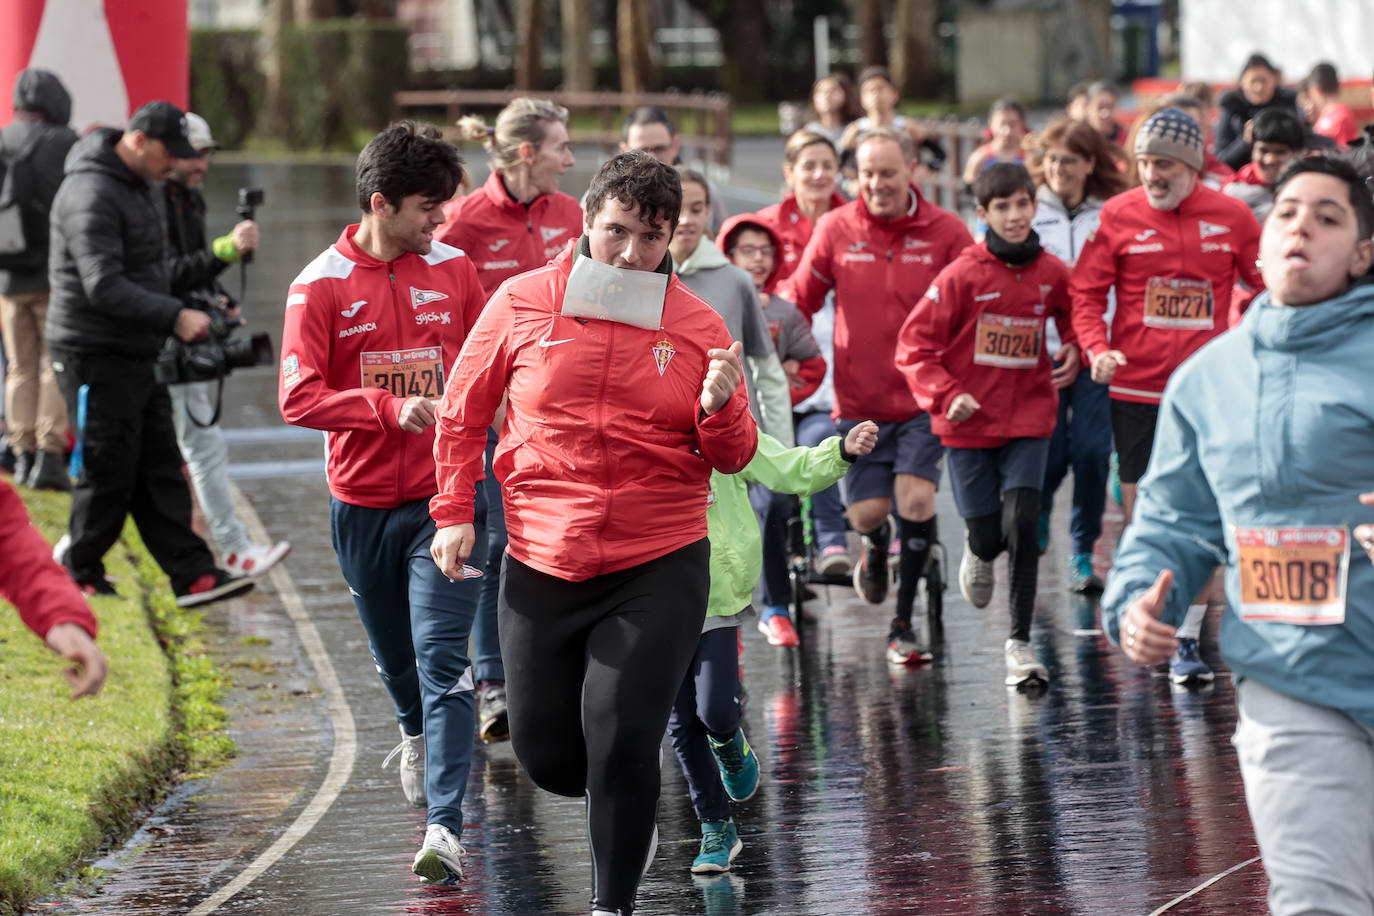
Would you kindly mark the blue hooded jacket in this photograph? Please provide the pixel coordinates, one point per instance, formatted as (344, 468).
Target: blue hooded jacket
(1269, 425)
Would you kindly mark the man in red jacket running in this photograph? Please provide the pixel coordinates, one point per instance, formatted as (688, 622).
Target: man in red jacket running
(879, 254)
(372, 326)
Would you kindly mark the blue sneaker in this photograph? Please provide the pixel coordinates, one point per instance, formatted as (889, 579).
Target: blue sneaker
(1114, 479)
(1187, 665)
(1082, 579)
(720, 843)
(1042, 531)
(739, 766)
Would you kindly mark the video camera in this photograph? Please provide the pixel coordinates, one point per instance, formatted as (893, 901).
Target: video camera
(214, 358)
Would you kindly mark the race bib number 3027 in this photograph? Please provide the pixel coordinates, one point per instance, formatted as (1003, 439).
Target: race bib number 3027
(1178, 304)
(1007, 341)
(1293, 575)
(405, 373)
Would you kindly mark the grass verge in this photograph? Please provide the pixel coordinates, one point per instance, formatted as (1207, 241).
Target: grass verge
(75, 776)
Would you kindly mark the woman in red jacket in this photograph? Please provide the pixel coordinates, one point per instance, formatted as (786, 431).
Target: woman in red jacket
(810, 168)
(618, 407)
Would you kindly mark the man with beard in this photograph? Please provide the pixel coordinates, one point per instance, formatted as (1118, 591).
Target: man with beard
(1173, 249)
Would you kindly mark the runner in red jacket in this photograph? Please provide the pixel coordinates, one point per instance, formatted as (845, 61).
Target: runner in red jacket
(372, 325)
(619, 404)
(879, 254)
(1172, 249)
(518, 219)
(49, 602)
(973, 353)
(810, 168)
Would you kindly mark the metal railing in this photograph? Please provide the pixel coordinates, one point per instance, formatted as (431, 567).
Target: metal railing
(703, 120)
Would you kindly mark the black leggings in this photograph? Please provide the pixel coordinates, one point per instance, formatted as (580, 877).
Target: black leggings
(592, 669)
(1013, 530)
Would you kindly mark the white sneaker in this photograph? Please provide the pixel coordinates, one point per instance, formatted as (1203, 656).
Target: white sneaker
(438, 861)
(255, 559)
(411, 750)
(1022, 665)
(975, 578)
(61, 548)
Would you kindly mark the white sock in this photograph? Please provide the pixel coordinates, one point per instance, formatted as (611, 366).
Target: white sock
(1191, 627)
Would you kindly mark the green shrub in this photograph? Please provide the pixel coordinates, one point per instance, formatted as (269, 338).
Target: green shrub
(227, 86)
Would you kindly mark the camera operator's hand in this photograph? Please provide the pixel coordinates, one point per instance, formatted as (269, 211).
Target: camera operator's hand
(192, 325)
(417, 415)
(245, 236)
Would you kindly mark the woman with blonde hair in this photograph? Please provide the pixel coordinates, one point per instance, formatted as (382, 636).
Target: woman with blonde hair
(810, 170)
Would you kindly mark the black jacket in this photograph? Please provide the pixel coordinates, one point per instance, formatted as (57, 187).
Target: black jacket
(108, 260)
(1235, 111)
(192, 264)
(43, 93)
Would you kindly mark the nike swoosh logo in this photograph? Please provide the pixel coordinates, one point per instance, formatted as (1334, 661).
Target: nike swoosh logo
(545, 342)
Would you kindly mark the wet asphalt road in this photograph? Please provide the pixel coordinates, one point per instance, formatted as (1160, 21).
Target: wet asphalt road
(933, 790)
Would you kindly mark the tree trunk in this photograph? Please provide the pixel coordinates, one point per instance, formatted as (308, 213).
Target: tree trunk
(276, 18)
(633, 38)
(577, 46)
(873, 48)
(913, 47)
(315, 10)
(745, 36)
(530, 35)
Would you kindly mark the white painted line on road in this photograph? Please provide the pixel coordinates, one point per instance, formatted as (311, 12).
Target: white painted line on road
(1203, 886)
(340, 717)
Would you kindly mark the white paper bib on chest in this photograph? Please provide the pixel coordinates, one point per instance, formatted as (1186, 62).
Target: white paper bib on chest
(606, 293)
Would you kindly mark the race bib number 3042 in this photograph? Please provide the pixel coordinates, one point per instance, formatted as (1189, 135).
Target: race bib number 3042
(1178, 304)
(405, 373)
(1008, 341)
(1293, 575)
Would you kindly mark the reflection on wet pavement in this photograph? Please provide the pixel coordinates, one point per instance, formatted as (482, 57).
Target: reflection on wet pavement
(931, 790)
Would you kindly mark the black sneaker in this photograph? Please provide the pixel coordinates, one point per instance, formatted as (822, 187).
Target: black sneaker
(50, 473)
(213, 586)
(871, 574)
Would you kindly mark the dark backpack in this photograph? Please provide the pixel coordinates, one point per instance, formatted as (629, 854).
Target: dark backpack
(23, 217)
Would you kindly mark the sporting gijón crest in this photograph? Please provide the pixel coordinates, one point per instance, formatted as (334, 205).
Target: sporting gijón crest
(663, 354)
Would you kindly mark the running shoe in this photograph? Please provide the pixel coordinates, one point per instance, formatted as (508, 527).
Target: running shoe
(903, 646)
(256, 559)
(62, 548)
(1042, 531)
(834, 561)
(739, 766)
(213, 586)
(1082, 579)
(1022, 665)
(778, 629)
(871, 575)
(493, 720)
(437, 862)
(720, 843)
(1187, 666)
(976, 578)
(411, 750)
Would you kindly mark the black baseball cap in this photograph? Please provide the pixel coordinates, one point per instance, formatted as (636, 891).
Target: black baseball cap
(166, 122)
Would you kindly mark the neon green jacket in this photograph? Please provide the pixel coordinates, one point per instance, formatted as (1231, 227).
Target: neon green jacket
(736, 546)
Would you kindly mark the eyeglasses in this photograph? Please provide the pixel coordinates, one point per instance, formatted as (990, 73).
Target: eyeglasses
(749, 251)
(659, 151)
(1052, 159)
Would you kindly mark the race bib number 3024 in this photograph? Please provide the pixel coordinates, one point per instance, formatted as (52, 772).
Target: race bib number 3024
(405, 373)
(1293, 575)
(1179, 304)
(1008, 341)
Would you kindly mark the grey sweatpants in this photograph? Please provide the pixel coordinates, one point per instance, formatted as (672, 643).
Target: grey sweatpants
(1309, 783)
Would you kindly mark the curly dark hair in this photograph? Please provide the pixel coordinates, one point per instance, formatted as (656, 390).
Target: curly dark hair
(635, 177)
(407, 158)
(1340, 168)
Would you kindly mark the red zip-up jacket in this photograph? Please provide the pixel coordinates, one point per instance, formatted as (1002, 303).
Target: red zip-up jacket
(878, 269)
(29, 577)
(1186, 259)
(503, 236)
(794, 230)
(361, 336)
(980, 330)
(605, 457)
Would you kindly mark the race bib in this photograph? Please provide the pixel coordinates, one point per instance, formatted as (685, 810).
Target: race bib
(1178, 304)
(1011, 343)
(405, 373)
(1293, 575)
(607, 293)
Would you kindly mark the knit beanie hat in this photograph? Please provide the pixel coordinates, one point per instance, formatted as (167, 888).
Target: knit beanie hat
(1174, 134)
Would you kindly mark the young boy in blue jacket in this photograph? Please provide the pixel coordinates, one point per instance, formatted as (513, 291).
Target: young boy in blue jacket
(1264, 443)
(716, 758)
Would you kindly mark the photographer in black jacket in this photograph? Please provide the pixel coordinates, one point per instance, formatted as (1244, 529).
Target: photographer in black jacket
(109, 313)
(195, 263)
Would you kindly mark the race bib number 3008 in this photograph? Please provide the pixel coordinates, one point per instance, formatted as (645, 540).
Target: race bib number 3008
(405, 373)
(1007, 341)
(1178, 304)
(1293, 575)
